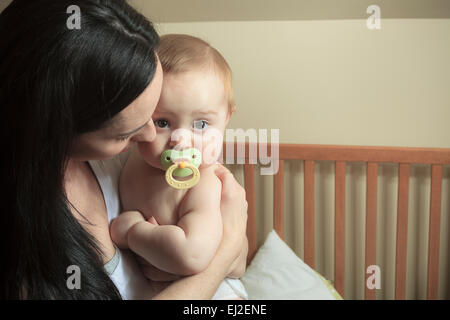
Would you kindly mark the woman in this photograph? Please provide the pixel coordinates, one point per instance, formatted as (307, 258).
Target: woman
(69, 96)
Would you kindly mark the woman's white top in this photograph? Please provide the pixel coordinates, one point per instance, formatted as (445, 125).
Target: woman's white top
(123, 268)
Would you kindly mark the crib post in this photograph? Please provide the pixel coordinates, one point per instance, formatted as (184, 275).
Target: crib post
(278, 200)
(309, 213)
(249, 182)
(371, 222)
(434, 232)
(402, 229)
(339, 228)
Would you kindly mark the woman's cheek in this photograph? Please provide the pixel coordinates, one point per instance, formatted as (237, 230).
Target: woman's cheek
(111, 149)
(151, 152)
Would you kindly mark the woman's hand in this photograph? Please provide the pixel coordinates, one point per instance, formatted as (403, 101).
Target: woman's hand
(233, 206)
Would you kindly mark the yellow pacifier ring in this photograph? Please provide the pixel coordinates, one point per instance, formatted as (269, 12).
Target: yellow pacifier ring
(177, 184)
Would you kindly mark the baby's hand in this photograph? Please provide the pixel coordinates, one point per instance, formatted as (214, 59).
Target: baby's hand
(152, 220)
(122, 224)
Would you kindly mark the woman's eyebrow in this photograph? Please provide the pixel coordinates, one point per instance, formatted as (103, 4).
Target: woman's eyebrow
(134, 131)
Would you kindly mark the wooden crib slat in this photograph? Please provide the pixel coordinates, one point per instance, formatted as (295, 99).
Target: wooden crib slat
(339, 228)
(309, 213)
(402, 229)
(278, 200)
(371, 222)
(249, 182)
(434, 232)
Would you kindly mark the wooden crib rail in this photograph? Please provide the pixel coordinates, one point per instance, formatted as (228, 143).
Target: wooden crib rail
(403, 156)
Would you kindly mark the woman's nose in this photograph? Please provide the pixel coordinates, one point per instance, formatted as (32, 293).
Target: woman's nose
(147, 133)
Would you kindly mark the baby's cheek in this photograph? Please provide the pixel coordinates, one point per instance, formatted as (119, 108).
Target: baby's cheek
(211, 151)
(212, 141)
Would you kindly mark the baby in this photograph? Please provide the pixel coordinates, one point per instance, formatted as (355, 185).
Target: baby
(179, 230)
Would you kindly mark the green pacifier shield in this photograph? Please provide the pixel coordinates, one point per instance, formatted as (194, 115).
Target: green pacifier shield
(191, 155)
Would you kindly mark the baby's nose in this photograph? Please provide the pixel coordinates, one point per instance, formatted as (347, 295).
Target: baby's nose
(181, 144)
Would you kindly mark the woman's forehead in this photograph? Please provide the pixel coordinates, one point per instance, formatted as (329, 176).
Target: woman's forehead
(142, 108)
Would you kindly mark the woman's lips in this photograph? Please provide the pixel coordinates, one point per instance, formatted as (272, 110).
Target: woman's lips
(126, 149)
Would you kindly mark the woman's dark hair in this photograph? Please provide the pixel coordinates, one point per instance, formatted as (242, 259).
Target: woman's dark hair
(56, 83)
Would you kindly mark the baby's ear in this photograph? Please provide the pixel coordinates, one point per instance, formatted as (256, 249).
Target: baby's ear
(230, 113)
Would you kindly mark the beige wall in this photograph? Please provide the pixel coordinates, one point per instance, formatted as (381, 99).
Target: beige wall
(337, 82)
(4, 4)
(276, 10)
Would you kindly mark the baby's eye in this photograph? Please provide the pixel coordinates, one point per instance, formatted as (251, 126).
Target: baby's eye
(200, 124)
(162, 123)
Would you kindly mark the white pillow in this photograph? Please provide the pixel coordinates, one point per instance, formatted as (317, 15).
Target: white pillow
(277, 273)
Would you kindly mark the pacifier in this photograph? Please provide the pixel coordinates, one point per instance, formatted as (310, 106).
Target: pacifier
(181, 164)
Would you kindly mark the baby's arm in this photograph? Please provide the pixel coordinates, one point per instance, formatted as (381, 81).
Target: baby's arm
(188, 247)
(122, 224)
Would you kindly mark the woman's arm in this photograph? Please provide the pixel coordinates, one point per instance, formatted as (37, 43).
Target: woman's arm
(240, 264)
(231, 255)
(201, 286)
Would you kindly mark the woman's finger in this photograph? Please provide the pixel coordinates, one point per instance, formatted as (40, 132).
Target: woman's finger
(230, 187)
(222, 173)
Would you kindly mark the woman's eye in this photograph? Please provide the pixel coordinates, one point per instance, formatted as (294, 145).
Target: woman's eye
(123, 138)
(200, 124)
(162, 123)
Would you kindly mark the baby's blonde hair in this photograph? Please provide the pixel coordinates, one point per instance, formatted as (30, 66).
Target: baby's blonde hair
(181, 52)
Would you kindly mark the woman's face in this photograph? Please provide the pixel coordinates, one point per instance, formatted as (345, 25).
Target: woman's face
(132, 124)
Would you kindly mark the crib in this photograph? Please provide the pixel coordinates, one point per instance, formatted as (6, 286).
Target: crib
(404, 157)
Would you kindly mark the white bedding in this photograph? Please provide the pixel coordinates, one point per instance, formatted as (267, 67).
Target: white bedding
(277, 273)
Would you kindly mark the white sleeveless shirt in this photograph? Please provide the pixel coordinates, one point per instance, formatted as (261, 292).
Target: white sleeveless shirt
(126, 273)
